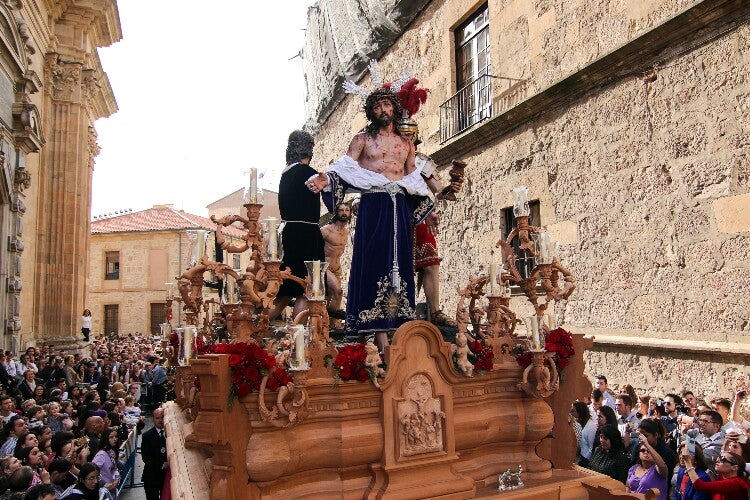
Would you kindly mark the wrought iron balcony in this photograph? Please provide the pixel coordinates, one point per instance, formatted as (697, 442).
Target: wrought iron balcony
(474, 103)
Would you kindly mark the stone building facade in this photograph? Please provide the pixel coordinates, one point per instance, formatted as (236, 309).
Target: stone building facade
(134, 255)
(52, 90)
(232, 204)
(629, 122)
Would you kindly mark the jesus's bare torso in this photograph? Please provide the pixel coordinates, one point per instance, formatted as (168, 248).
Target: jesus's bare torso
(387, 153)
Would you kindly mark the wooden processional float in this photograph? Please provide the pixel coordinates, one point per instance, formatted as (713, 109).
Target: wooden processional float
(427, 426)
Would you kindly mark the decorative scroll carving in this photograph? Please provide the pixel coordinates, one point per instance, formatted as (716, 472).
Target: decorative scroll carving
(420, 418)
(90, 86)
(64, 75)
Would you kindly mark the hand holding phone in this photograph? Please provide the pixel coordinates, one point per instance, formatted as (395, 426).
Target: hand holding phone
(690, 445)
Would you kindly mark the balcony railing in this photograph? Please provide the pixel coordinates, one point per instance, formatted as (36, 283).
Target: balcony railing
(474, 103)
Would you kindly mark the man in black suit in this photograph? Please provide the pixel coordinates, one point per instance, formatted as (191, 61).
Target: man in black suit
(154, 454)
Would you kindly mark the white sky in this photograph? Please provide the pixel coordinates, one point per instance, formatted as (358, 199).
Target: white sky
(205, 90)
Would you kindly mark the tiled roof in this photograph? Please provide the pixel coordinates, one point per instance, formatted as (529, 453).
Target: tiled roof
(160, 218)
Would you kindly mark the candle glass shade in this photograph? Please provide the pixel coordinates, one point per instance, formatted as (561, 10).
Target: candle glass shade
(254, 193)
(544, 248)
(300, 341)
(170, 290)
(271, 231)
(316, 279)
(494, 287)
(521, 201)
(534, 331)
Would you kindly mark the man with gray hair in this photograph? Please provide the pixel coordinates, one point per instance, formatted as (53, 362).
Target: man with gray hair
(300, 213)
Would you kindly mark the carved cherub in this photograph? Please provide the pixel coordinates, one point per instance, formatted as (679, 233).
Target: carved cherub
(373, 361)
(462, 354)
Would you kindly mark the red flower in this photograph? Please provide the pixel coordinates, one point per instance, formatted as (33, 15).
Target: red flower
(243, 389)
(272, 384)
(363, 375)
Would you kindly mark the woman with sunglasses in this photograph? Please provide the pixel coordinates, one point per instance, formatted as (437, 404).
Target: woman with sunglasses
(732, 481)
(650, 471)
(683, 485)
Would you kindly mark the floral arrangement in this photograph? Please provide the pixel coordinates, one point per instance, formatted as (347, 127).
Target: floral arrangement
(350, 364)
(558, 341)
(249, 364)
(483, 356)
(174, 341)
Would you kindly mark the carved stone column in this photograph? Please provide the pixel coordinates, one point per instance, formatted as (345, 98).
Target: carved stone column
(77, 93)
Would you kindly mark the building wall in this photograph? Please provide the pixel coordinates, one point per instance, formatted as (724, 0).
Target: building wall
(643, 177)
(148, 260)
(232, 205)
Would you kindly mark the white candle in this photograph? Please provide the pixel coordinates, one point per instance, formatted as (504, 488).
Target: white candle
(535, 332)
(253, 185)
(316, 278)
(299, 347)
(550, 320)
(189, 335)
(272, 239)
(493, 276)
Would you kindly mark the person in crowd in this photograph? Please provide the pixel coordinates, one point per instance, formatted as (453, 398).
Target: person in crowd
(683, 485)
(28, 384)
(723, 407)
(609, 458)
(93, 431)
(709, 435)
(10, 365)
(689, 400)
(626, 415)
(154, 454)
(8, 464)
(642, 407)
(40, 394)
(40, 492)
(588, 425)
(649, 471)
(597, 400)
(86, 324)
(15, 428)
(61, 477)
(672, 403)
(158, 381)
(653, 431)
(19, 481)
(630, 391)
(731, 483)
(107, 458)
(87, 487)
(7, 407)
(604, 416)
(32, 456)
(71, 376)
(26, 362)
(26, 440)
(601, 384)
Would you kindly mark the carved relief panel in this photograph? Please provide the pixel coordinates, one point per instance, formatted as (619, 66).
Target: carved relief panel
(421, 418)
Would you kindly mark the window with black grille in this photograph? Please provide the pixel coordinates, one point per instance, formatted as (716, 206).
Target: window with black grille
(157, 317)
(111, 319)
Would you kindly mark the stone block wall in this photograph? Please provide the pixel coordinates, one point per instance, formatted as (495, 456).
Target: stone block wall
(644, 180)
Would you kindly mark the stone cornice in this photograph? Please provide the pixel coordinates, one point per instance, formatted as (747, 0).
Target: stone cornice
(100, 18)
(685, 31)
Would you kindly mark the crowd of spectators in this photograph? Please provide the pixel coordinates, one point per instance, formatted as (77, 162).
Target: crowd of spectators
(65, 416)
(681, 444)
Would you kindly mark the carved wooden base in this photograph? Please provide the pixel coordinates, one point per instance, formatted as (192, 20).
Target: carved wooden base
(429, 431)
